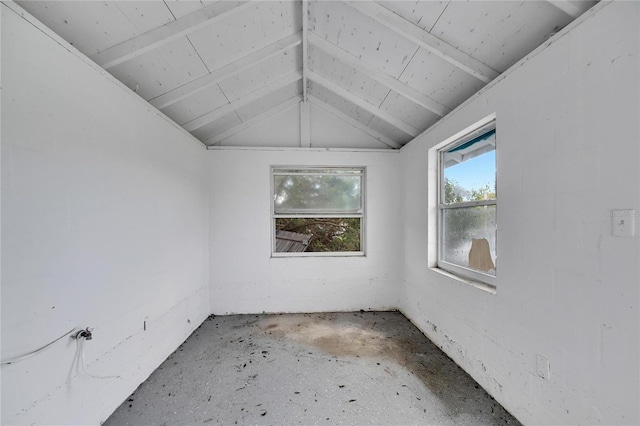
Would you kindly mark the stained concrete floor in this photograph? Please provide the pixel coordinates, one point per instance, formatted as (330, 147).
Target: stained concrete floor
(336, 368)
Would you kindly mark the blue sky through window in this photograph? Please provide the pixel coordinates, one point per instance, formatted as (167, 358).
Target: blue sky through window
(474, 173)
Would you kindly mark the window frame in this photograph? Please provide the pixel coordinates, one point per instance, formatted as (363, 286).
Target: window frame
(279, 170)
(476, 277)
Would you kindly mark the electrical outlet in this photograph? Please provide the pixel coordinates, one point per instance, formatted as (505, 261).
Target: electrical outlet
(544, 367)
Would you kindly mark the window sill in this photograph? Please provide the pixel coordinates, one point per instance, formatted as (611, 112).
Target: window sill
(477, 284)
(318, 254)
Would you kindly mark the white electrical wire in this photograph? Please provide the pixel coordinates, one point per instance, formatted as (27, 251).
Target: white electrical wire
(36, 351)
(78, 358)
(81, 361)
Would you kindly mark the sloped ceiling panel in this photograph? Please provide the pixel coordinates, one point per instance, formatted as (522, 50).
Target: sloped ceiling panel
(423, 14)
(339, 103)
(361, 36)
(440, 80)
(94, 26)
(256, 26)
(166, 67)
(499, 36)
(208, 99)
(412, 113)
(387, 69)
(345, 76)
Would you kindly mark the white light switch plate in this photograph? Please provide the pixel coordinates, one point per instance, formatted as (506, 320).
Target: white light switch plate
(543, 367)
(624, 222)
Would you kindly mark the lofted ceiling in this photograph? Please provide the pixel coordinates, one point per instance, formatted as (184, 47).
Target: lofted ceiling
(390, 69)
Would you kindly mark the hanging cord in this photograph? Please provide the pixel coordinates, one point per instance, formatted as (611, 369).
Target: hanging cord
(37, 351)
(80, 337)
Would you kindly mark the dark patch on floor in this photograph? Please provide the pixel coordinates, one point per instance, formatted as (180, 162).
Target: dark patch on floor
(351, 368)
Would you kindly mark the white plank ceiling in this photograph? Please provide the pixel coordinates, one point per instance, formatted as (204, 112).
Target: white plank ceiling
(390, 69)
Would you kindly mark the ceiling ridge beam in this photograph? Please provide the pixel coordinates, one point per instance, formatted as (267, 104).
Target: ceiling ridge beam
(226, 71)
(355, 123)
(340, 91)
(143, 43)
(378, 75)
(305, 46)
(262, 91)
(425, 40)
(247, 124)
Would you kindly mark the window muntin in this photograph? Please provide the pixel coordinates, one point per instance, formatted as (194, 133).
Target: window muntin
(468, 206)
(318, 211)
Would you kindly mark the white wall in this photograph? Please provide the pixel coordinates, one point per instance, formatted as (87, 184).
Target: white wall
(568, 153)
(244, 277)
(104, 224)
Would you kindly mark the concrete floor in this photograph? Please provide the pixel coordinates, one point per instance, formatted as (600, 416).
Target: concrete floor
(336, 368)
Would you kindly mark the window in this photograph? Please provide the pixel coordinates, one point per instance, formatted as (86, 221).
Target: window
(467, 200)
(318, 210)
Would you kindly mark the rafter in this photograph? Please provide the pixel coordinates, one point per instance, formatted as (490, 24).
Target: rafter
(569, 7)
(157, 37)
(227, 71)
(263, 91)
(355, 123)
(247, 124)
(333, 87)
(425, 40)
(378, 75)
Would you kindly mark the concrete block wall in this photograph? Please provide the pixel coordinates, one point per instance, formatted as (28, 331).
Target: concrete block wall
(567, 289)
(244, 276)
(104, 225)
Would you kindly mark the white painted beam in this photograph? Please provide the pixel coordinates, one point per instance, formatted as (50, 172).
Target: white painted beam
(571, 8)
(305, 124)
(378, 75)
(157, 37)
(305, 45)
(247, 124)
(227, 71)
(355, 123)
(425, 40)
(263, 91)
(333, 87)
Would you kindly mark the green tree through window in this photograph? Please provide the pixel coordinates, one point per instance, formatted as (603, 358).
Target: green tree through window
(325, 204)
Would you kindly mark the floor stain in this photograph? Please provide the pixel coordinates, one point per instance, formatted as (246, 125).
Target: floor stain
(331, 368)
(393, 339)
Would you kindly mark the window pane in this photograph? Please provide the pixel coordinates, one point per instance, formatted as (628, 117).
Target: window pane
(317, 234)
(317, 193)
(469, 237)
(470, 170)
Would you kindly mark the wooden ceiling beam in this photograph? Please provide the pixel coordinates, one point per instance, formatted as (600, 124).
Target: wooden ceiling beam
(263, 91)
(247, 124)
(355, 123)
(571, 8)
(305, 114)
(425, 39)
(132, 48)
(356, 100)
(378, 75)
(226, 71)
(305, 46)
